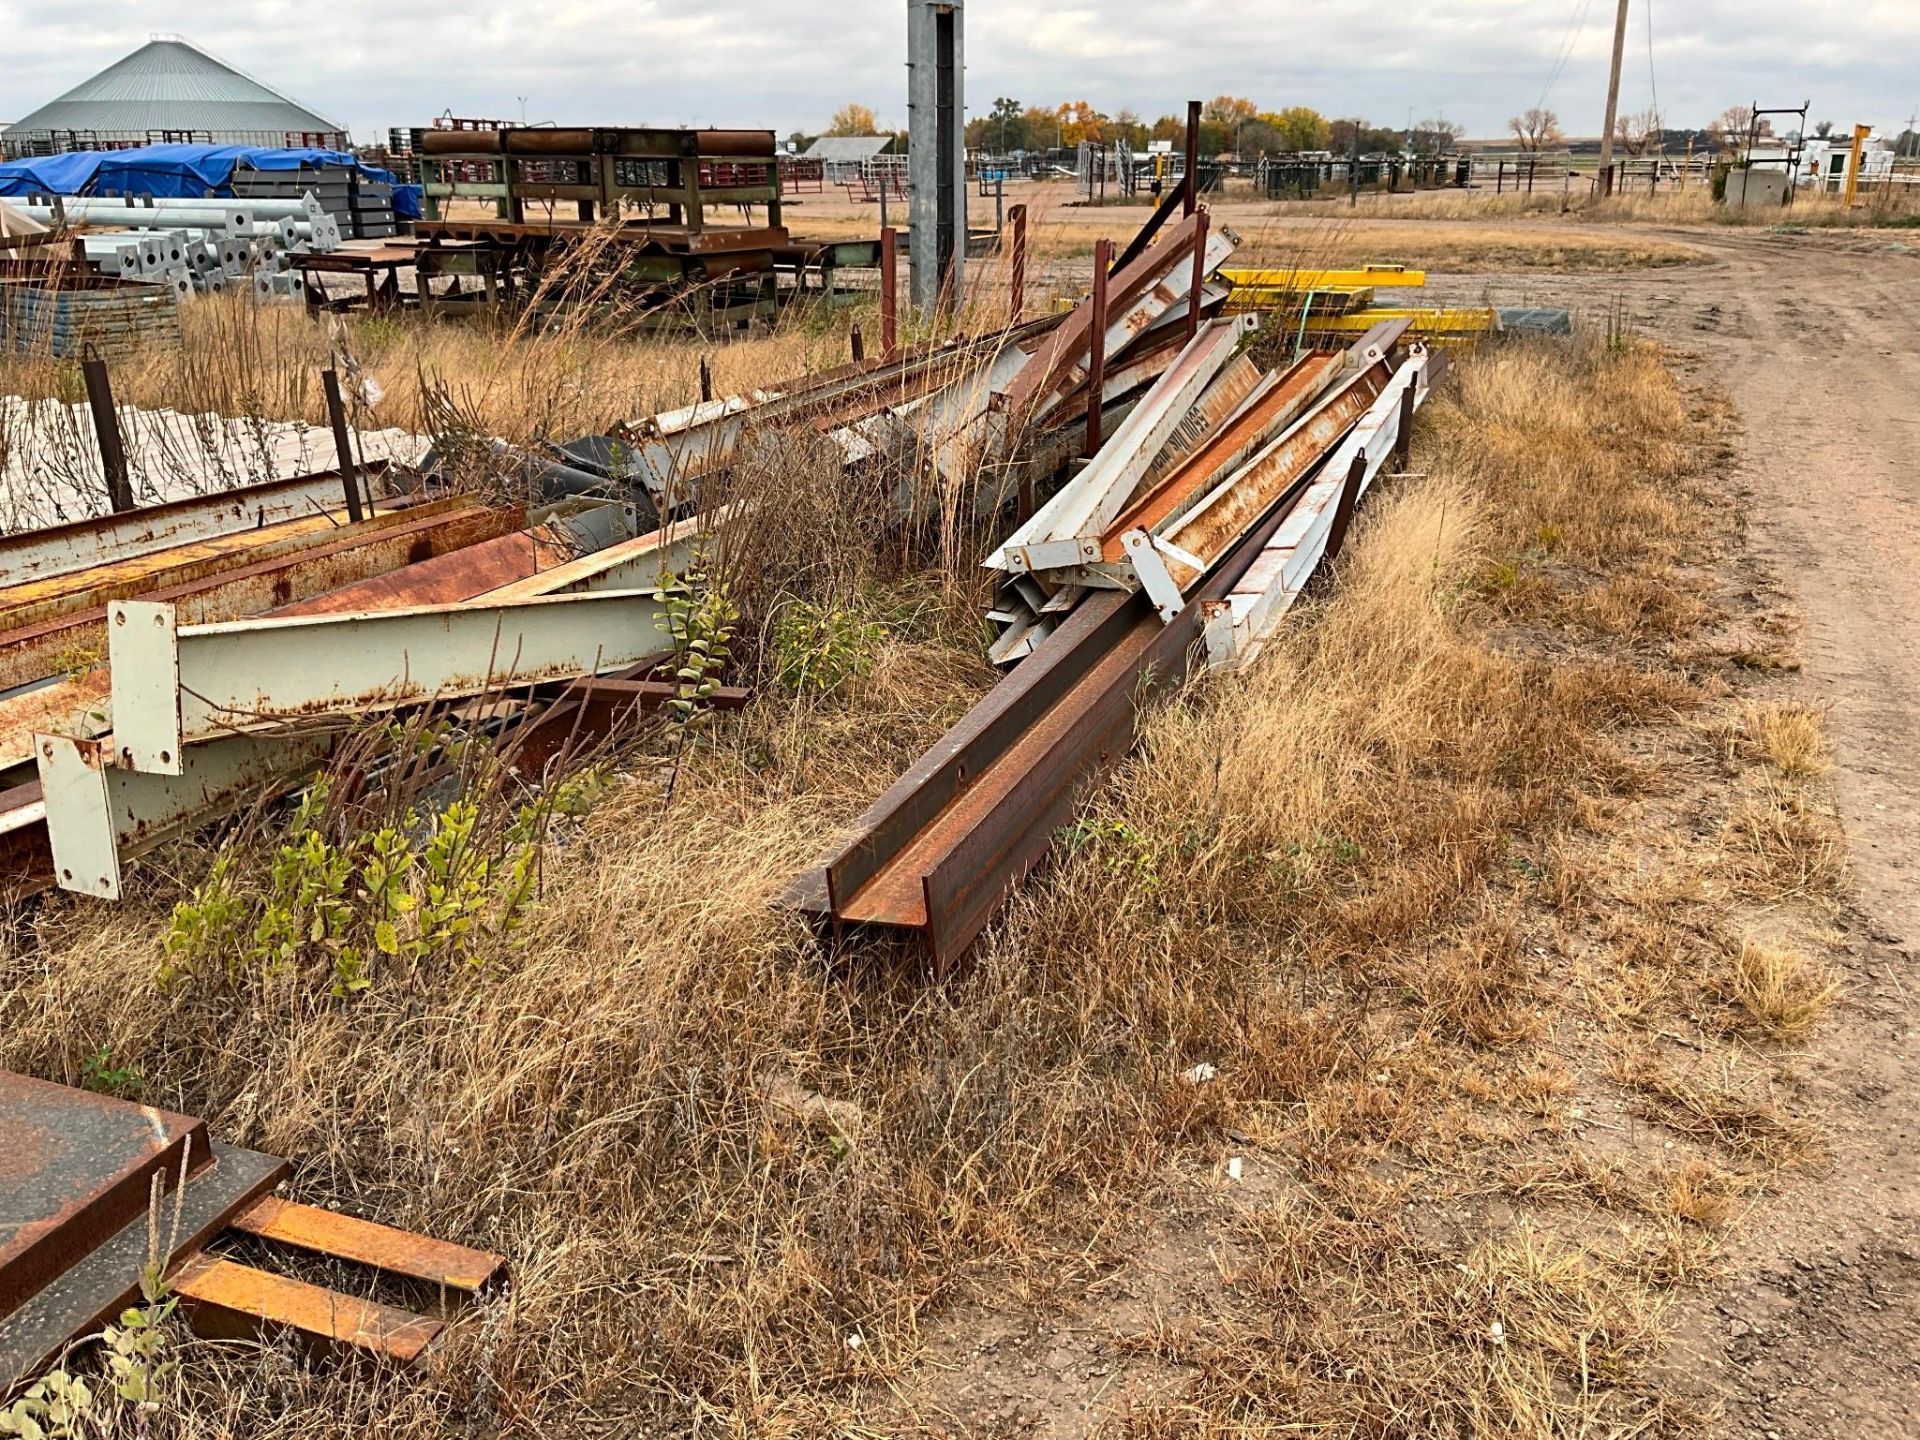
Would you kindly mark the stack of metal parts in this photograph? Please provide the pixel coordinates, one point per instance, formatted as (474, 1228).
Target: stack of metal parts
(1183, 540)
(159, 667)
(362, 208)
(1326, 309)
(62, 313)
(194, 245)
(78, 1174)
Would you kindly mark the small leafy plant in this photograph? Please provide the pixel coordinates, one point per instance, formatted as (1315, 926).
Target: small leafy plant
(700, 621)
(100, 1075)
(823, 648)
(339, 903)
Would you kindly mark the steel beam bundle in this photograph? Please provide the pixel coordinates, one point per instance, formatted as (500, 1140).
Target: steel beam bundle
(671, 452)
(212, 715)
(381, 607)
(1327, 308)
(1261, 493)
(193, 244)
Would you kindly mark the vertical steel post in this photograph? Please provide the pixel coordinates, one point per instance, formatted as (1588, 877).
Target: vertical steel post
(106, 430)
(1613, 99)
(1097, 358)
(859, 345)
(936, 151)
(1403, 441)
(1343, 510)
(1192, 197)
(1017, 282)
(1199, 273)
(889, 279)
(342, 442)
(706, 380)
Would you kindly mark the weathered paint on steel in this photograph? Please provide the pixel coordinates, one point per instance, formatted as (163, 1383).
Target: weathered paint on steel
(175, 686)
(100, 815)
(1232, 445)
(82, 544)
(1212, 524)
(375, 546)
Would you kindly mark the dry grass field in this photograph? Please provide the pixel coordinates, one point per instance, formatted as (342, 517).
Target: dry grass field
(1439, 230)
(1389, 1051)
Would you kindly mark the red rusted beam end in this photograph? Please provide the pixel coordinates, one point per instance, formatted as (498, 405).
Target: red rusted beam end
(1017, 284)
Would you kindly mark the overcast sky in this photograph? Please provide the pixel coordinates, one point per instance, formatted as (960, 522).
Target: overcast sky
(376, 63)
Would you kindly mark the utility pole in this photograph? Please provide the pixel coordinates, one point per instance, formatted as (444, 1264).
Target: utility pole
(936, 152)
(1613, 99)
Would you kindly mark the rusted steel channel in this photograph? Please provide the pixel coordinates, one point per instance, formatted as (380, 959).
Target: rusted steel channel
(935, 853)
(293, 571)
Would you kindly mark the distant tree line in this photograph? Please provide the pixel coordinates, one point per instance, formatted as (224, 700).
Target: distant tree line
(1229, 125)
(1235, 125)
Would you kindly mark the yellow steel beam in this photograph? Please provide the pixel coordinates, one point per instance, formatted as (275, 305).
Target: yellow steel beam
(1378, 275)
(1331, 301)
(1466, 320)
(1860, 134)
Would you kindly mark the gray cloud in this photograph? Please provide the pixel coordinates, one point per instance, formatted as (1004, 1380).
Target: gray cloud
(375, 63)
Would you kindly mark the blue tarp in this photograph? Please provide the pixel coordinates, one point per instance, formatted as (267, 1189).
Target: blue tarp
(175, 171)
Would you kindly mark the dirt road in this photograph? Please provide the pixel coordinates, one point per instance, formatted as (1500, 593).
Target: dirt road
(1816, 1332)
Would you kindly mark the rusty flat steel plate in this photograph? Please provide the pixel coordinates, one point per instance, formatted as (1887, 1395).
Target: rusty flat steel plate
(399, 1252)
(75, 1168)
(103, 1283)
(228, 1299)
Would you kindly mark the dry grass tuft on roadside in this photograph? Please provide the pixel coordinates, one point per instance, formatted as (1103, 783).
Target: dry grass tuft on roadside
(1782, 992)
(1404, 887)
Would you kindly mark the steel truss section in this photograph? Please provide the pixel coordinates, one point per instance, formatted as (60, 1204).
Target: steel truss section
(175, 686)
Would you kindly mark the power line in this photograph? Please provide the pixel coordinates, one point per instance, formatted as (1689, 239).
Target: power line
(1574, 26)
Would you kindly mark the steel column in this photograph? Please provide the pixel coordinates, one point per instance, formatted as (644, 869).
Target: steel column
(936, 153)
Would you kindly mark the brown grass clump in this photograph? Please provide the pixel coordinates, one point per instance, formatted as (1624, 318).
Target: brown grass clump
(1782, 992)
(1350, 880)
(1791, 738)
(1785, 845)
